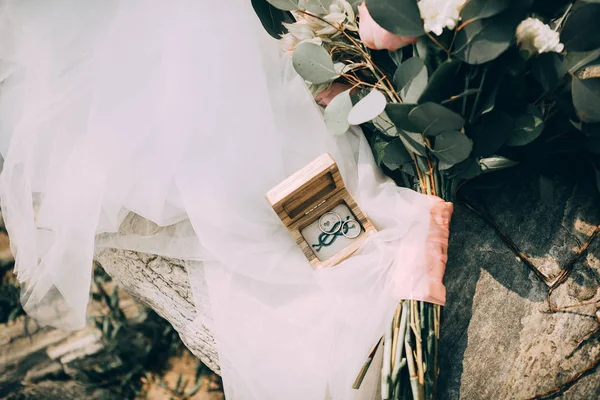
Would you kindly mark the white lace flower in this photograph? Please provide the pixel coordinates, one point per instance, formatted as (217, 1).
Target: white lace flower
(536, 37)
(440, 14)
(289, 42)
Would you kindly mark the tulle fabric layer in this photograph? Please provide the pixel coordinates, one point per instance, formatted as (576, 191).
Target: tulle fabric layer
(186, 113)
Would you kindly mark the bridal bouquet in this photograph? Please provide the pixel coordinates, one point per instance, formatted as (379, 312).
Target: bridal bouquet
(446, 90)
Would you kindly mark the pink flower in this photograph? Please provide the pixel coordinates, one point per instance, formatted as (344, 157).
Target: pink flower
(325, 96)
(377, 38)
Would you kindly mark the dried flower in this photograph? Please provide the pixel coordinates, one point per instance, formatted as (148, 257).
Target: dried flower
(535, 37)
(440, 14)
(375, 37)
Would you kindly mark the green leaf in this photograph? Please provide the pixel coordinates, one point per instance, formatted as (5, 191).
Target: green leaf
(484, 40)
(491, 133)
(287, 5)
(580, 32)
(548, 69)
(378, 144)
(315, 6)
(313, 63)
(396, 56)
(452, 147)
(395, 153)
(466, 169)
(407, 71)
(413, 141)
(577, 60)
(478, 9)
(270, 17)
(401, 17)
(495, 163)
(526, 126)
(431, 119)
(398, 113)
(414, 89)
(384, 124)
(441, 83)
(336, 113)
(597, 171)
(367, 108)
(586, 99)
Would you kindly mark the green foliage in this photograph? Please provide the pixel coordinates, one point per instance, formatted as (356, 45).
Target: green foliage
(580, 32)
(400, 17)
(270, 17)
(313, 63)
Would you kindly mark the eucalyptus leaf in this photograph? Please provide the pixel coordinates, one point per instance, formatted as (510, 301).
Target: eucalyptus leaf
(287, 5)
(491, 133)
(313, 63)
(367, 108)
(441, 83)
(452, 147)
(270, 17)
(484, 40)
(413, 90)
(526, 126)
(577, 60)
(384, 124)
(396, 56)
(431, 119)
(413, 141)
(407, 71)
(548, 69)
(398, 114)
(315, 6)
(496, 163)
(401, 17)
(478, 9)
(466, 169)
(580, 32)
(378, 145)
(336, 113)
(395, 153)
(586, 99)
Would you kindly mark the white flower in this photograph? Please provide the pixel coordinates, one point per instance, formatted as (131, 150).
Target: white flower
(536, 37)
(440, 14)
(301, 30)
(289, 42)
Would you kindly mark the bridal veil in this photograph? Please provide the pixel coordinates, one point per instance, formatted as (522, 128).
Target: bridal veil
(186, 113)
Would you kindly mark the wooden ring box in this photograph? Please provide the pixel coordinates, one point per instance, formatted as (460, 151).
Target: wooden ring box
(309, 193)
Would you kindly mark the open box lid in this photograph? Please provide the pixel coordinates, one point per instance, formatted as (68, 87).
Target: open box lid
(306, 189)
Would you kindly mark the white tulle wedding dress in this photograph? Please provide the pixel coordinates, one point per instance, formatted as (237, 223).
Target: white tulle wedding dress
(186, 113)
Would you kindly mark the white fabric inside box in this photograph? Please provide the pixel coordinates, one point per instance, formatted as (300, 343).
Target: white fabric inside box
(331, 243)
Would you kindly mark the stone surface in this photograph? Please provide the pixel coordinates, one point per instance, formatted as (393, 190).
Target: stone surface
(498, 340)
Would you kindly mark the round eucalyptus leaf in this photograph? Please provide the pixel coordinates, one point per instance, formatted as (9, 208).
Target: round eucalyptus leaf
(407, 71)
(395, 153)
(270, 17)
(315, 6)
(411, 79)
(495, 163)
(548, 69)
(484, 40)
(367, 108)
(586, 99)
(452, 147)
(431, 119)
(401, 17)
(313, 63)
(491, 133)
(286, 5)
(413, 142)
(441, 83)
(478, 9)
(526, 126)
(398, 114)
(580, 32)
(336, 113)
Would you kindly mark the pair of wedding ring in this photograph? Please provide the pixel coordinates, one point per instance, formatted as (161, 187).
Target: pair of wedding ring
(332, 219)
